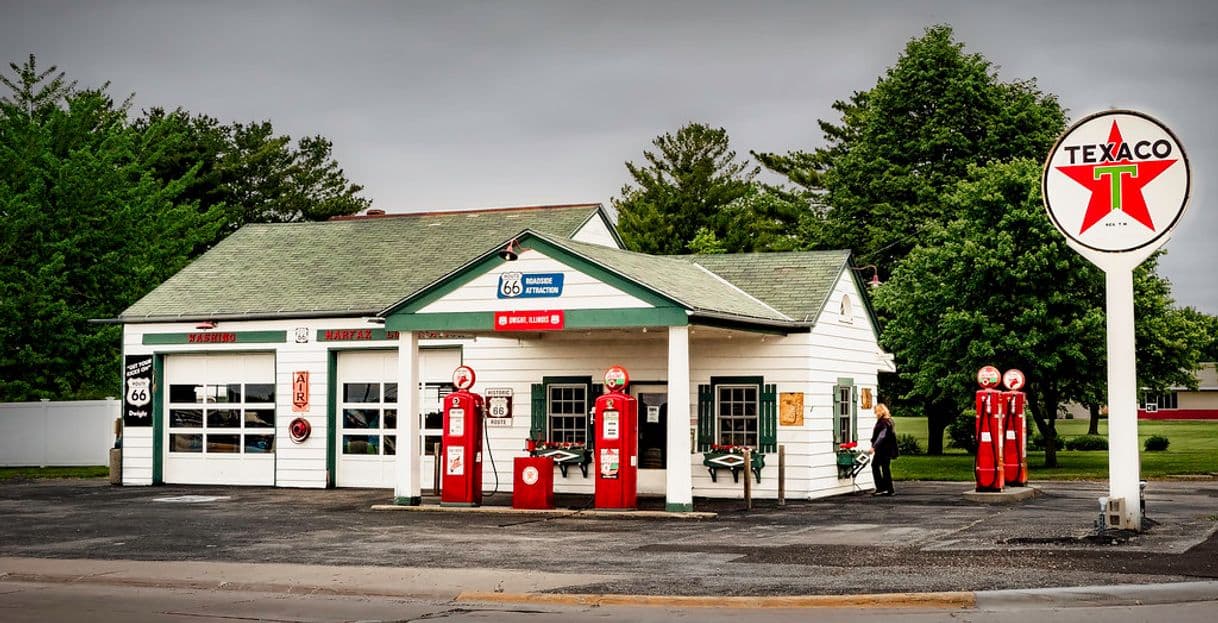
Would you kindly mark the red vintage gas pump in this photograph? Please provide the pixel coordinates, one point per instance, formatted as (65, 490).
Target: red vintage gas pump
(1015, 448)
(989, 431)
(461, 481)
(617, 444)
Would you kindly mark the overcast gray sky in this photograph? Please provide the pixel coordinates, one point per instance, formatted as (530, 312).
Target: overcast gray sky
(456, 105)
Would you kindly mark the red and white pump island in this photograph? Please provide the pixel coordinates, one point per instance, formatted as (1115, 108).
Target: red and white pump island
(617, 444)
(461, 480)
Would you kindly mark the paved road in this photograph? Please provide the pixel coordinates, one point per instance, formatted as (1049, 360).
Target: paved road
(925, 539)
(22, 602)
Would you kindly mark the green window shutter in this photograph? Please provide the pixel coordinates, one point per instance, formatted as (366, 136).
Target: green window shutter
(537, 429)
(854, 413)
(767, 424)
(706, 417)
(837, 410)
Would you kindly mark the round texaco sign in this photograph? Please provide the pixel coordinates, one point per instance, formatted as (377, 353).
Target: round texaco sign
(1116, 181)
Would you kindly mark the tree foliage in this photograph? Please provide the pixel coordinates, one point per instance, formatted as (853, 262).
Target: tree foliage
(901, 145)
(256, 175)
(694, 187)
(87, 230)
(98, 210)
(999, 286)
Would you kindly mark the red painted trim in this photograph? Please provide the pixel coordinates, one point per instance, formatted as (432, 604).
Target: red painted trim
(1179, 414)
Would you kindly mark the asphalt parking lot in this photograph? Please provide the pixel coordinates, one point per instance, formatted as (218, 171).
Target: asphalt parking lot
(927, 538)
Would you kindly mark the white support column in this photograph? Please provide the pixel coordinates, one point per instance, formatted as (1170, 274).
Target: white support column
(1124, 464)
(407, 488)
(678, 473)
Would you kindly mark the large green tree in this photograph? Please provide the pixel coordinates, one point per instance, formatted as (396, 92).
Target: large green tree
(693, 185)
(902, 144)
(999, 285)
(255, 174)
(87, 229)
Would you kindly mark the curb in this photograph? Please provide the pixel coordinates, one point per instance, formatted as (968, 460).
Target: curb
(882, 600)
(546, 513)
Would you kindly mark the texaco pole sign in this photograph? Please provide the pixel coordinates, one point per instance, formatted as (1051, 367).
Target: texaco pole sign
(1116, 182)
(1115, 185)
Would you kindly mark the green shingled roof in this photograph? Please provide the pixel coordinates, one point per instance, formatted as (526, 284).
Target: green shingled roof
(340, 267)
(796, 283)
(366, 266)
(682, 279)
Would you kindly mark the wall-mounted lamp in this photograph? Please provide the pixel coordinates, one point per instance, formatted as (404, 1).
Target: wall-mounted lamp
(206, 325)
(510, 252)
(874, 282)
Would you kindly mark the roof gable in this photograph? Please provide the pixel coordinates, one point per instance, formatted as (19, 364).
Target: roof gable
(350, 266)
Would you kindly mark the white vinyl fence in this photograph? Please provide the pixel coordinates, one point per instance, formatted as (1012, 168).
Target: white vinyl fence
(46, 433)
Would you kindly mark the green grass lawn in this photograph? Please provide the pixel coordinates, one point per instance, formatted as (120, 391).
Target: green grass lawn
(92, 471)
(1193, 450)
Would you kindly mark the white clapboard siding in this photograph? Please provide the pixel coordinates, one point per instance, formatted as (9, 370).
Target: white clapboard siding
(809, 363)
(595, 231)
(580, 291)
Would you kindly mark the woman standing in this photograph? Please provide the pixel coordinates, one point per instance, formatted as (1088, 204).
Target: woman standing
(883, 450)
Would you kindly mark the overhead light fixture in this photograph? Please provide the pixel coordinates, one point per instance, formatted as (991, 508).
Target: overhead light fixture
(375, 320)
(511, 252)
(874, 282)
(206, 325)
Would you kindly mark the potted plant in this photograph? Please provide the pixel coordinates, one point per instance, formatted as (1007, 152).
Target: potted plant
(847, 453)
(722, 456)
(564, 453)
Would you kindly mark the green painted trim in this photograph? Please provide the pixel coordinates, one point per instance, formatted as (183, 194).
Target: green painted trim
(216, 337)
(414, 500)
(865, 293)
(574, 319)
(759, 326)
(759, 381)
(158, 419)
(526, 240)
(841, 380)
(598, 271)
(449, 321)
(331, 418)
(678, 508)
(362, 334)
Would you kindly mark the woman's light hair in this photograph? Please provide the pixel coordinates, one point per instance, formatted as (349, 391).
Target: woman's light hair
(881, 410)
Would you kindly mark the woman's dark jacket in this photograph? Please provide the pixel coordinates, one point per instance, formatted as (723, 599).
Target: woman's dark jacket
(884, 439)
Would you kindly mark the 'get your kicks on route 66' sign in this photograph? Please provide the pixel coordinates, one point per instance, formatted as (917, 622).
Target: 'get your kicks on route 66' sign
(1116, 181)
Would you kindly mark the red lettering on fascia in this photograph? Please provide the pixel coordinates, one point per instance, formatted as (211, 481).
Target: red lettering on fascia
(210, 338)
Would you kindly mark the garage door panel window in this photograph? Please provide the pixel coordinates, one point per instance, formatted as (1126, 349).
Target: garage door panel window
(361, 444)
(431, 422)
(186, 418)
(370, 415)
(259, 444)
(222, 418)
(223, 444)
(179, 442)
(361, 392)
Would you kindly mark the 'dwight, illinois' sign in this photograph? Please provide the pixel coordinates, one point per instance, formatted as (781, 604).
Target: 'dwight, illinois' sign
(1116, 181)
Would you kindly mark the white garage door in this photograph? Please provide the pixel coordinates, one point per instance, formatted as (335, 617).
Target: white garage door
(220, 419)
(367, 412)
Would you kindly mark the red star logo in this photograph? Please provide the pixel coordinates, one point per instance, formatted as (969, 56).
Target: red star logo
(1116, 185)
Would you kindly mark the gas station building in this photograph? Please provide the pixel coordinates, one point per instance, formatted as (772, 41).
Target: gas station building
(276, 358)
